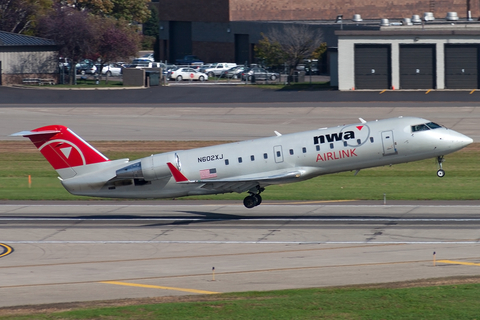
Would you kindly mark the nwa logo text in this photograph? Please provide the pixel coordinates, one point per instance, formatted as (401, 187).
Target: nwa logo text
(340, 136)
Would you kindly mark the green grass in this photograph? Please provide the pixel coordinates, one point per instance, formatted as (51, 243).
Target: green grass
(438, 302)
(92, 83)
(410, 181)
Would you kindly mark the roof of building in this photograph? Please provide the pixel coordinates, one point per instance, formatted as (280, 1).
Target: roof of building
(14, 39)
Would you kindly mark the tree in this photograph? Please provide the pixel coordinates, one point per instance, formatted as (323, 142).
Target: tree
(289, 45)
(19, 16)
(72, 30)
(115, 40)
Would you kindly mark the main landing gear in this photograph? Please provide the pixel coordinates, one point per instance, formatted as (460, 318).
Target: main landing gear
(254, 199)
(440, 172)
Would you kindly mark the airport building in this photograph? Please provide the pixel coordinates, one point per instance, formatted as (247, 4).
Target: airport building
(381, 45)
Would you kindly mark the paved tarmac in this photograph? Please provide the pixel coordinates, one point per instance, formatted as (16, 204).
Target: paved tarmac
(112, 250)
(93, 251)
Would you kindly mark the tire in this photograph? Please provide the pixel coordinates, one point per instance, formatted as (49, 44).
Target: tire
(250, 78)
(249, 202)
(179, 78)
(440, 173)
(235, 76)
(201, 78)
(82, 72)
(273, 77)
(211, 74)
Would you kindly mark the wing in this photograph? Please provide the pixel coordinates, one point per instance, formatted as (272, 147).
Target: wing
(241, 183)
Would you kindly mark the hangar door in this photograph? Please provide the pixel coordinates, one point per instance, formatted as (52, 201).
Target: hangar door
(461, 66)
(417, 67)
(372, 66)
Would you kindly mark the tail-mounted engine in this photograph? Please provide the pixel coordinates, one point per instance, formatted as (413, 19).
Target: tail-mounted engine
(150, 168)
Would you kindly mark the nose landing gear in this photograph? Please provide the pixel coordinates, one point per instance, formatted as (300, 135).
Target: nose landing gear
(440, 172)
(254, 199)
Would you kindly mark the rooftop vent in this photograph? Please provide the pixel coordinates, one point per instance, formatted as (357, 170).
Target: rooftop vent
(357, 18)
(428, 16)
(416, 19)
(407, 22)
(384, 23)
(339, 18)
(452, 16)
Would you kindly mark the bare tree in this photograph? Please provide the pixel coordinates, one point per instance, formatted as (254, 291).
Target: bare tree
(18, 16)
(290, 44)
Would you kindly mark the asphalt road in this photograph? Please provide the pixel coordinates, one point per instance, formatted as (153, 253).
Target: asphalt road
(100, 251)
(221, 94)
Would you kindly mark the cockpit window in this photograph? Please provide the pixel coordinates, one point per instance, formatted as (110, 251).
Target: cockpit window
(433, 125)
(425, 126)
(420, 127)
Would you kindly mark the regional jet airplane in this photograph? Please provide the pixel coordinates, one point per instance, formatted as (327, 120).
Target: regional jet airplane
(248, 166)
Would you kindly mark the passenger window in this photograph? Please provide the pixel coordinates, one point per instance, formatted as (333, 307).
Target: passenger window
(331, 146)
(345, 143)
(359, 142)
(227, 162)
(240, 160)
(318, 147)
(265, 156)
(304, 150)
(252, 157)
(291, 152)
(279, 154)
(371, 139)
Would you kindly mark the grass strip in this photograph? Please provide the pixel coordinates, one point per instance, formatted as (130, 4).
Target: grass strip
(434, 302)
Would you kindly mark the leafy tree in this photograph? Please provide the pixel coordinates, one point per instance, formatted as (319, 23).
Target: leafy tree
(115, 41)
(131, 10)
(19, 16)
(72, 30)
(289, 45)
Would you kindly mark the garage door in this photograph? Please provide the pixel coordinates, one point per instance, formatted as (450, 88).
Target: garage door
(372, 67)
(461, 66)
(417, 67)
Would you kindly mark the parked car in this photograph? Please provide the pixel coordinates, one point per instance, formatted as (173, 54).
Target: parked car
(86, 67)
(148, 57)
(258, 73)
(187, 74)
(140, 63)
(112, 69)
(217, 69)
(234, 72)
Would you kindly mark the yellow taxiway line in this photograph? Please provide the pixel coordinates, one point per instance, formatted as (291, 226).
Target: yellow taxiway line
(8, 250)
(459, 262)
(158, 287)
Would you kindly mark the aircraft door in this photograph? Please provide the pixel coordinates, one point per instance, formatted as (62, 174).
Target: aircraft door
(278, 154)
(388, 143)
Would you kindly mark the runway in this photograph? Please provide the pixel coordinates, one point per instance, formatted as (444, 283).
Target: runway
(65, 252)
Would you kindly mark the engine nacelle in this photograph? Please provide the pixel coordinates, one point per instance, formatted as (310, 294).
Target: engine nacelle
(149, 168)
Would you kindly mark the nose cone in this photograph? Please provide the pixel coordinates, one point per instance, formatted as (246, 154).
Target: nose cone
(458, 140)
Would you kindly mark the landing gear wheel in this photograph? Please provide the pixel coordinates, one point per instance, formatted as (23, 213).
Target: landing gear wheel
(440, 172)
(258, 199)
(250, 202)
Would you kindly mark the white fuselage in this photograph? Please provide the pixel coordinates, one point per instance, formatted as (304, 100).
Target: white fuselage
(311, 153)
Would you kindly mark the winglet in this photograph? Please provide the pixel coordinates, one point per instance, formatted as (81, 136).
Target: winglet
(177, 175)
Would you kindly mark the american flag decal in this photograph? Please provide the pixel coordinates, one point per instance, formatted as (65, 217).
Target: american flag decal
(208, 173)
